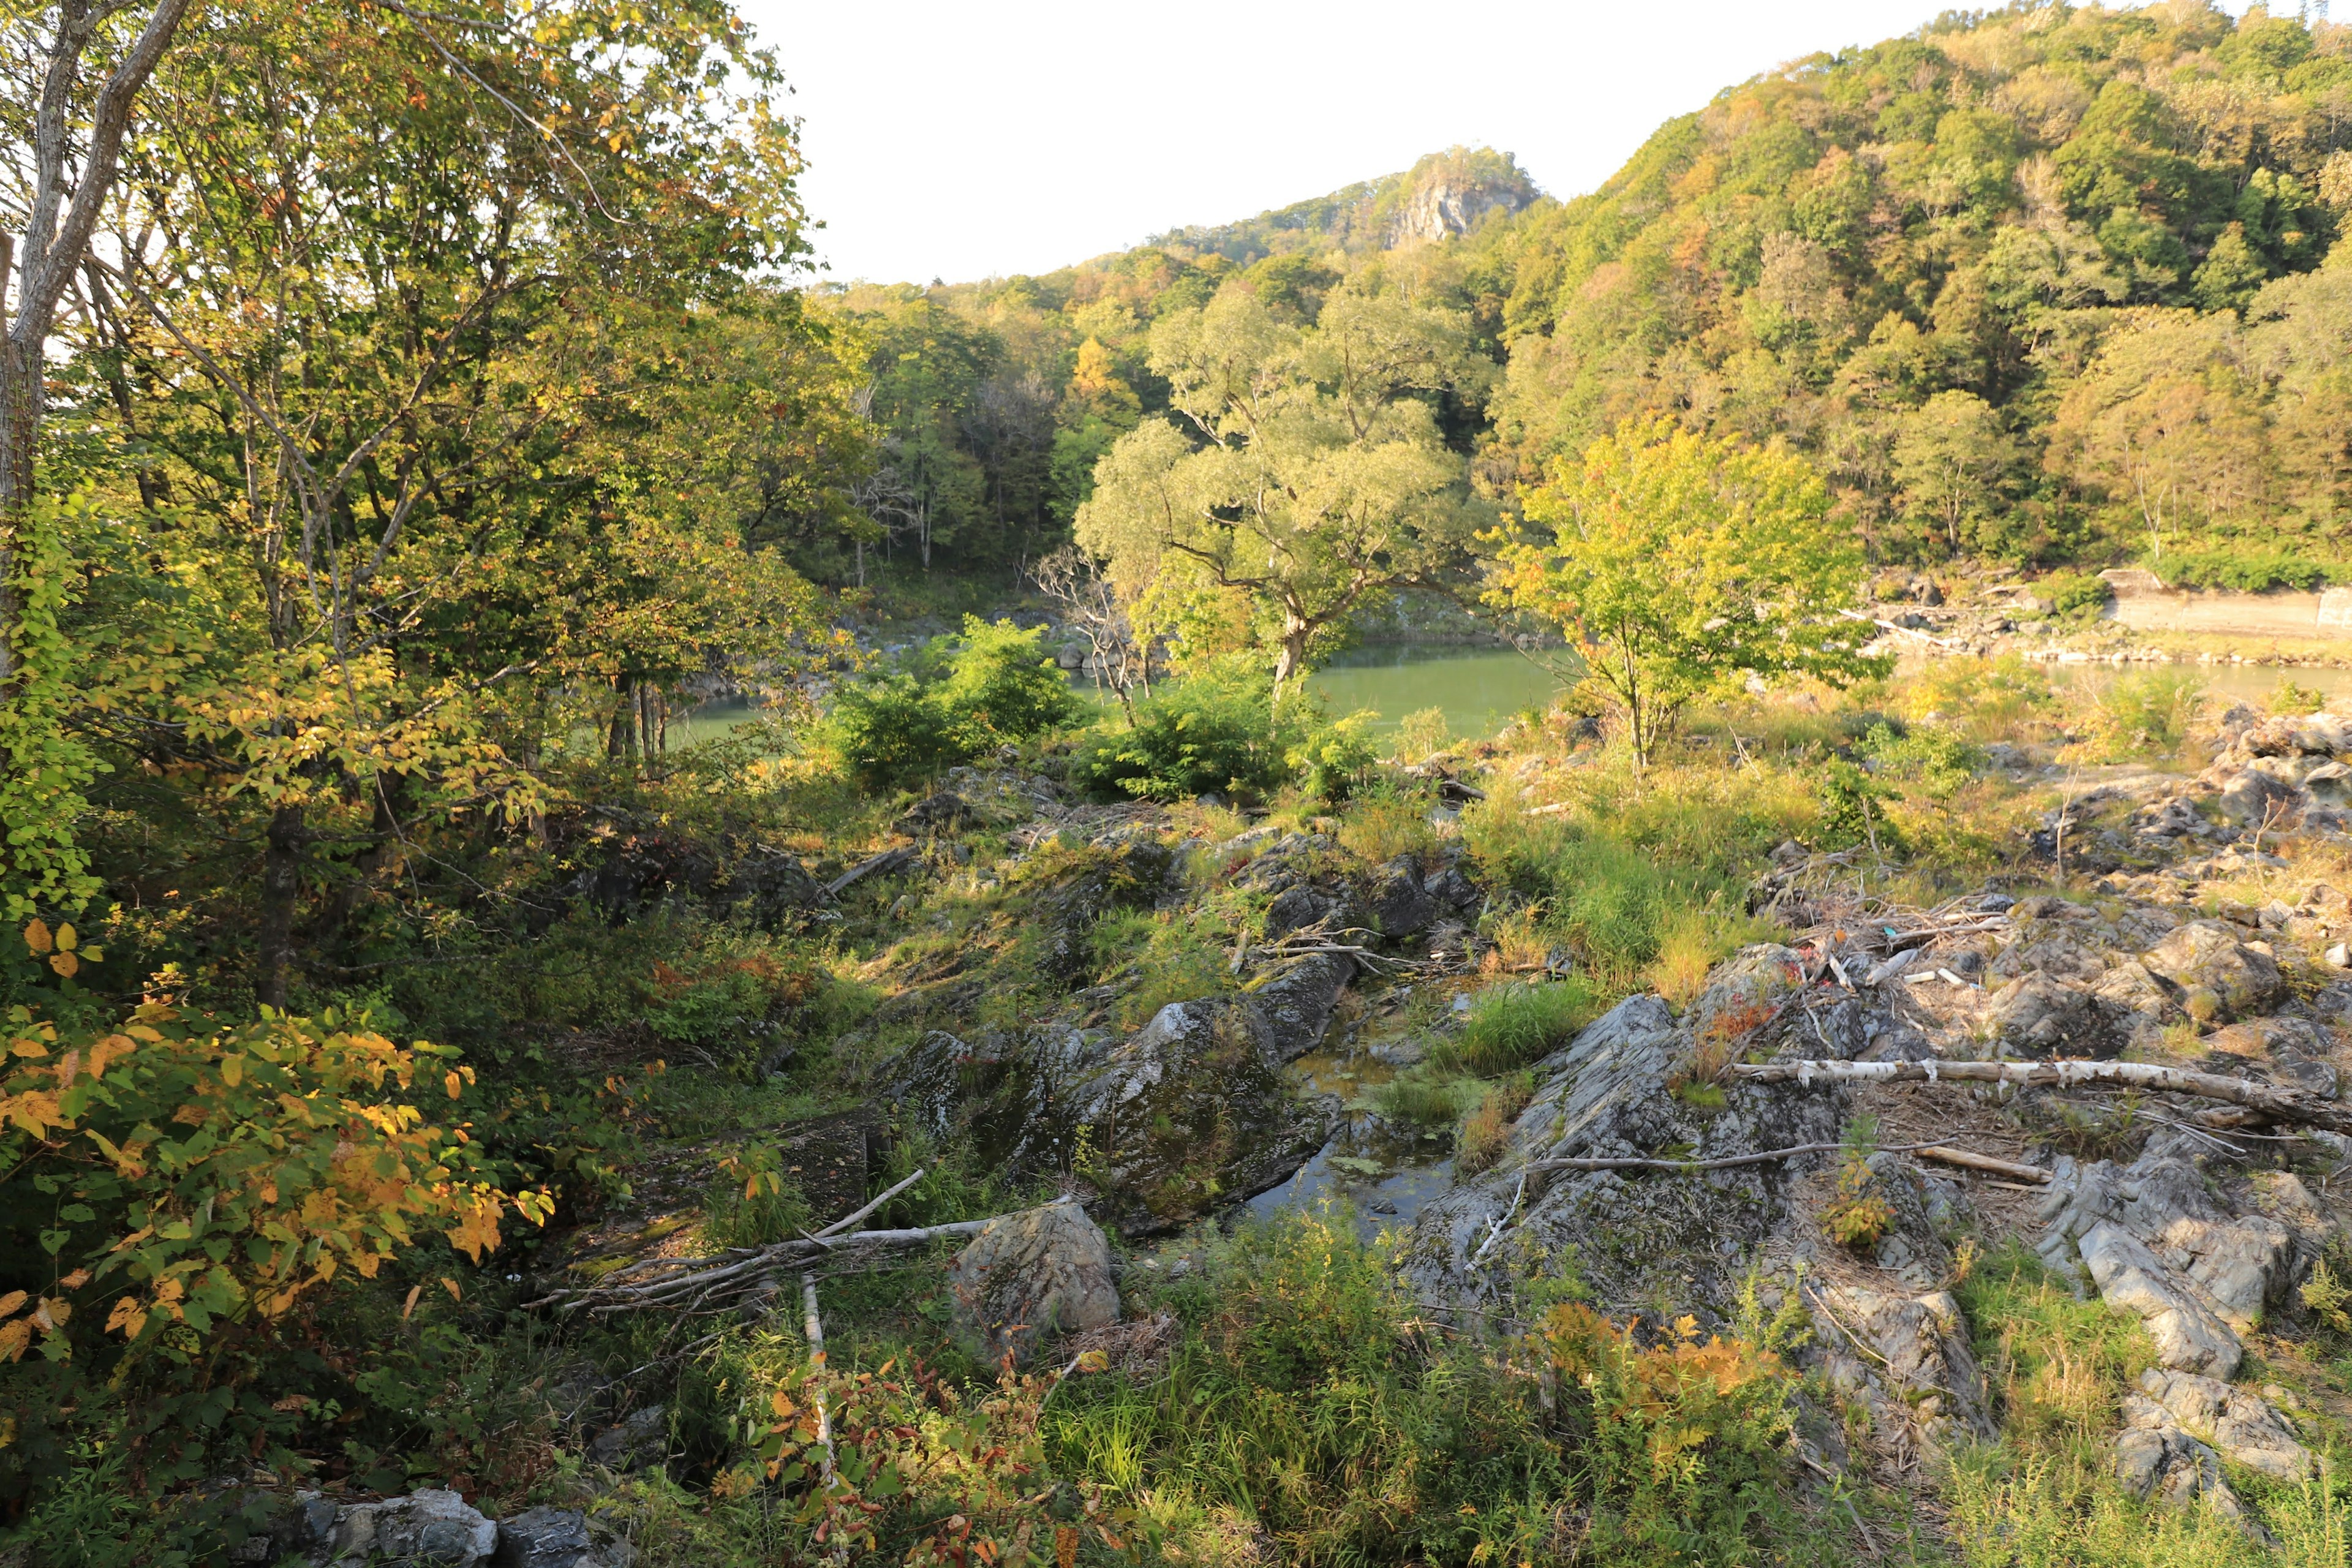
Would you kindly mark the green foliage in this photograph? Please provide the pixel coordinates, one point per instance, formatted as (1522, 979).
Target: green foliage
(2251, 570)
(1684, 564)
(1854, 806)
(44, 767)
(1511, 1025)
(2074, 592)
(1931, 758)
(1214, 731)
(2144, 715)
(961, 698)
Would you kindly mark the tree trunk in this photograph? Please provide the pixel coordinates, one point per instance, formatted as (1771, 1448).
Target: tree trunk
(1292, 659)
(20, 424)
(281, 895)
(621, 731)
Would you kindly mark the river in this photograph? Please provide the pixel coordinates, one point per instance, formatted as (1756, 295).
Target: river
(1479, 689)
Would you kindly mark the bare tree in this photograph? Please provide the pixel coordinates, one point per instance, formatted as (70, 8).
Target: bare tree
(893, 507)
(1073, 579)
(68, 171)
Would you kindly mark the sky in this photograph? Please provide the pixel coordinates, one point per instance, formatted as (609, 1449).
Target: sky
(967, 140)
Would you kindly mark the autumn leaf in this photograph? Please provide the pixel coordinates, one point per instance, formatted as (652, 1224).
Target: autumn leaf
(38, 937)
(409, 1305)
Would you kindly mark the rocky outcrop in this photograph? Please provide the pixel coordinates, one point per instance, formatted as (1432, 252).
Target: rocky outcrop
(2155, 1241)
(2238, 1423)
(1029, 1278)
(2217, 973)
(429, 1528)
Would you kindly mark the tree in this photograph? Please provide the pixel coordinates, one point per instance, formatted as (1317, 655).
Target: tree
(1950, 457)
(1314, 475)
(437, 344)
(1682, 564)
(63, 190)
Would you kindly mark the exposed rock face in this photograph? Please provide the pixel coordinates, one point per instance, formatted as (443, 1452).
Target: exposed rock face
(1030, 1276)
(2237, 1422)
(2036, 1016)
(1924, 1346)
(640, 1439)
(430, 1528)
(1191, 1109)
(1401, 900)
(557, 1538)
(1134, 877)
(773, 887)
(1605, 1095)
(2156, 1461)
(2156, 1242)
(942, 813)
(2207, 957)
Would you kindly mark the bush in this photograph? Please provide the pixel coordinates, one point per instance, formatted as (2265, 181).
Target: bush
(2145, 715)
(957, 699)
(1933, 759)
(2249, 570)
(175, 1184)
(2074, 592)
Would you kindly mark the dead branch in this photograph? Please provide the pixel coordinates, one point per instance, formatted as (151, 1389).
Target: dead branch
(814, 1326)
(1733, 1161)
(879, 865)
(2279, 1105)
(1969, 1159)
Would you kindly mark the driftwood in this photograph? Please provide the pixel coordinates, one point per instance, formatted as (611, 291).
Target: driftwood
(2277, 1104)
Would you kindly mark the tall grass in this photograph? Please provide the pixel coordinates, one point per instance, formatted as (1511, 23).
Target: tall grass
(1308, 1414)
(1511, 1025)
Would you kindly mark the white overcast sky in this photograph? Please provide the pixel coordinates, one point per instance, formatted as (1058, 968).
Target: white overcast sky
(962, 141)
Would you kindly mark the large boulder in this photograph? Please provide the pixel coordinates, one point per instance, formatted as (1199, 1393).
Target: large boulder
(2206, 960)
(2035, 1015)
(428, 1528)
(773, 887)
(2157, 1462)
(1030, 1276)
(1192, 1111)
(1402, 903)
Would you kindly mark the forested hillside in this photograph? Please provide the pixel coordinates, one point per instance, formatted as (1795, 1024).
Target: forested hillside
(2046, 286)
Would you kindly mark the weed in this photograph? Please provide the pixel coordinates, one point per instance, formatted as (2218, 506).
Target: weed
(1486, 1131)
(1511, 1025)
(1385, 822)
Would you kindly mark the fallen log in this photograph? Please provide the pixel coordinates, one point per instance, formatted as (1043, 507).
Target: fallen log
(879, 865)
(2279, 1105)
(1969, 1159)
(695, 1287)
(1730, 1163)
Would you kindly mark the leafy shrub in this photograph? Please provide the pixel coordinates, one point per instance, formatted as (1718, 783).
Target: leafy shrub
(957, 699)
(1330, 758)
(1854, 806)
(2144, 715)
(1686, 1444)
(727, 998)
(2076, 593)
(2251, 571)
(175, 1181)
(754, 1201)
(1212, 732)
(1511, 1025)
(1421, 733)
(1933, 760)
(1387, 821)
(2290, 699)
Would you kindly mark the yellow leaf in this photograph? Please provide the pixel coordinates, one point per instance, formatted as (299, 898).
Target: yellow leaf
(37, 938)
(452, 1285)
(13, 1338)
(232, 1070)
(410, 1305)
(751, 1188)
(126, 1317)
(74, 1280)
(65, 963)
(67, 939)
(782, 1405)
(454, 1084)
(11, 1302)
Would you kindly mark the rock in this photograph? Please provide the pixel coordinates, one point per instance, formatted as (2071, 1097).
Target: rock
(1133, 877)
(558, 1537)
(2037, 1016)
(2208, 955)
(1192, 1110)
(1452, 890)
(2340, 956)
(1295, 1007)
(775, 887)
(2236, 1421)
(2157, 1462)
(1745, 990)
(941, 813)
(303, 1526)
(1294, 909)
(428, 1528)
(1923, 1342)
(1032, 1276)
(2187, 1334)
(2291, 1052)
(641, 1439)
(1402, 904)
(2253, 797)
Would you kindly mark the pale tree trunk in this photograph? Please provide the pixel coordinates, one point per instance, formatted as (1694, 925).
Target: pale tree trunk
(57, 234)
(281, 892)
